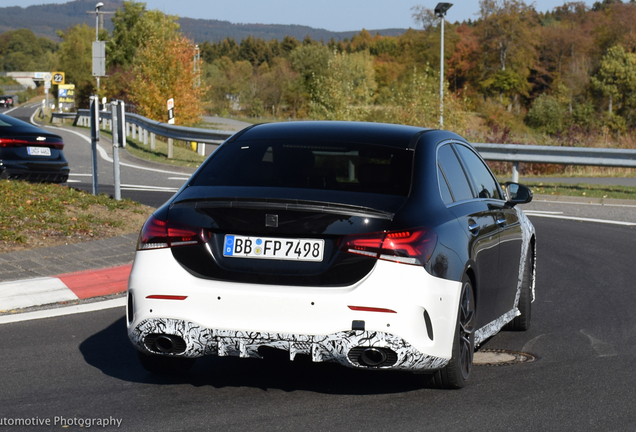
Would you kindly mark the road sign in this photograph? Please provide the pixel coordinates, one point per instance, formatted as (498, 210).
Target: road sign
(58, 78)
(47, 77)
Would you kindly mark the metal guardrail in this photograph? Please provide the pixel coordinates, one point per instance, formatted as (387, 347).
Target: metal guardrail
(557, 155)
(181, 133)
(515, 153)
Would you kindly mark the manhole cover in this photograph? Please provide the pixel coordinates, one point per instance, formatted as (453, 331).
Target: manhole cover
(494, 357)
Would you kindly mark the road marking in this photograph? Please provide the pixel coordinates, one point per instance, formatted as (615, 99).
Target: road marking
(73, 181)
(585, 203)
(582, 219)
(179, 178)
(148, 188)
(103, 154)
(81, 175)
(541, 212)
(70, 310)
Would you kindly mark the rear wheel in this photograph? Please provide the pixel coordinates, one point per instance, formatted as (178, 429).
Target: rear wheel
(165, 364)
(456, 372)
(522, 322)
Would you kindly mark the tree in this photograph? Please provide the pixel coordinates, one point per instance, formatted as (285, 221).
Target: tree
(76, 54)
(345, 91)
(507, 45)
(616, 79)
(165, 69)
(134, 27)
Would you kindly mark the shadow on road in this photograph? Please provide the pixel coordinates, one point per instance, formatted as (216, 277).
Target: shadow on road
(111, 352)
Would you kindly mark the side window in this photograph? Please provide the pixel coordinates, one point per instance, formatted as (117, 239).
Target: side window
(479, 173)
(447, 197)
(454, 173)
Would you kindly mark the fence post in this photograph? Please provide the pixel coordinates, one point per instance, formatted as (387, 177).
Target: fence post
(515, 172)
(152, 141)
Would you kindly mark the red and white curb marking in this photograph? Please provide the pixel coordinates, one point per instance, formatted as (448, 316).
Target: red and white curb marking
(66, 287)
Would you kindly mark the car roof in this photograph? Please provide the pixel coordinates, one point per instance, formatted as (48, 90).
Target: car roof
(340, 131)
(19, 127)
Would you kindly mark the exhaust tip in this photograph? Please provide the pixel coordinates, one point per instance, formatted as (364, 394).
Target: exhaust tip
(372, 357)
(165, 344)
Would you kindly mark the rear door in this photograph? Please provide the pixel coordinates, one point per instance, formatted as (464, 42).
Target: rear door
(507, 225)
(478, 222)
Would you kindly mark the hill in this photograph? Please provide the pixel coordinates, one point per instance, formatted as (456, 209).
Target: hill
(45, 20)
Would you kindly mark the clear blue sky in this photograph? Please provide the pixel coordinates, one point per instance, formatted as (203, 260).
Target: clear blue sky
(334, 15)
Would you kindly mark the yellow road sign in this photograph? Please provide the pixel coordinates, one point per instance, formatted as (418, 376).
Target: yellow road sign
(58, 78)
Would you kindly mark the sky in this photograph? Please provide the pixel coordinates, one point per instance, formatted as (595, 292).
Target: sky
(333, 15)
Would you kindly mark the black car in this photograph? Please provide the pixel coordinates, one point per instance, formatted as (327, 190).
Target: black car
(375, 246)
(30, 153)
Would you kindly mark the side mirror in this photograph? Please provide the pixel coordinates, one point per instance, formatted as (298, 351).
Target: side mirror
(517, 194)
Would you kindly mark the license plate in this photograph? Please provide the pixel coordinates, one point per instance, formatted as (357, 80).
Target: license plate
(274, 248)
(39, 151)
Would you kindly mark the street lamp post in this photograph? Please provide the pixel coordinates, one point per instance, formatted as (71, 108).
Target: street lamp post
(440, 12)
(98, 6)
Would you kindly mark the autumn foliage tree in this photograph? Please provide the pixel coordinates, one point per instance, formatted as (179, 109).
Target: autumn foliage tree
(166, 69)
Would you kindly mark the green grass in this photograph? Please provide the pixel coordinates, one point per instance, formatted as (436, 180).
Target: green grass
(39, 214)
(182, 153)
(583, 190)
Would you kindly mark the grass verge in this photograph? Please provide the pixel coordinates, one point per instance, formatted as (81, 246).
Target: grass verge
(583, 190)
(39, 215)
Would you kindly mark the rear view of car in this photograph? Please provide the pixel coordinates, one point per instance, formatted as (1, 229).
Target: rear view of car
(7, 101)
(329, 240)
(30, 153)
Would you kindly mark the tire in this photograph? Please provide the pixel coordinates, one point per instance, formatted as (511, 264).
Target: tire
(522, 322)
(455, 374)
(163, 365)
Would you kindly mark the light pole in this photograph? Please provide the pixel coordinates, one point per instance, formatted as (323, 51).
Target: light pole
(98, 6)
(440, 12)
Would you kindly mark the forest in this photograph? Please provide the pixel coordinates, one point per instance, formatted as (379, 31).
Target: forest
(561, 77)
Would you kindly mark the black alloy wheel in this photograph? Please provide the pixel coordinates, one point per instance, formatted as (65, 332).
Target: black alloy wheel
(522, 322)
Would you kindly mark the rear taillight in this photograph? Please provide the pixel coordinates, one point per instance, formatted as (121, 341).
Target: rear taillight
(158, 234)
(13, 142)
(413, 246)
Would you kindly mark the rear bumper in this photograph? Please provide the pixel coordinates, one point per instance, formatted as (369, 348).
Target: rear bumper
(45, 173)
(342, 347)
(234, 319)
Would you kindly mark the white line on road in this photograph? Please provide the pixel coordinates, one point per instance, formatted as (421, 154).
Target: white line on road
(582, 219)
(585, 203)
(50, 313)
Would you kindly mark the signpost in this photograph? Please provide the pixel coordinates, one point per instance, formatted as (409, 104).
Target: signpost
(94, 138)
(47, 86)
(170, 121)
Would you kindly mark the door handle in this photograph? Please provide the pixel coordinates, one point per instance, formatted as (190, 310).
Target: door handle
(501, 222)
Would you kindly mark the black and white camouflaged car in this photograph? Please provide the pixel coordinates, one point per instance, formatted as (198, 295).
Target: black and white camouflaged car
(371, 245)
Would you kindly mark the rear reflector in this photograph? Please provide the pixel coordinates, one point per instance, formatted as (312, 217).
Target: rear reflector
(413, 246)
(166, 297)
(371, 309)
(158, 234)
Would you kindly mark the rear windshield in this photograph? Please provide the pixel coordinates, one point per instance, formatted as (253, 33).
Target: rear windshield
(350, 167)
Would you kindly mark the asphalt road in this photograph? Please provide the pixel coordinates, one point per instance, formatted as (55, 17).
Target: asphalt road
(583, 334)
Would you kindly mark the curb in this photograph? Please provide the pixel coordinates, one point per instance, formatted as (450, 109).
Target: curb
(21, 294)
